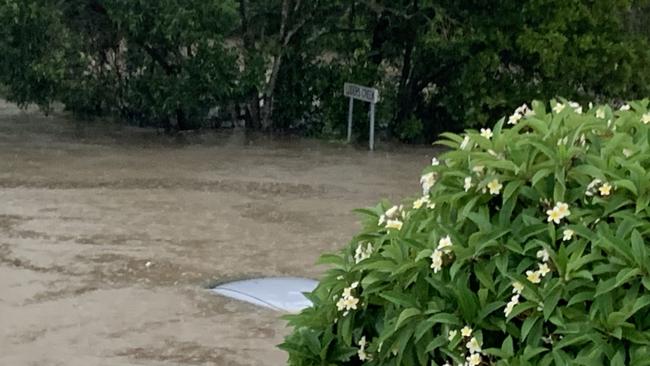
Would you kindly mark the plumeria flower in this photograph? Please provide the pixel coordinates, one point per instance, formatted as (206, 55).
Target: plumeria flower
(625, 107)
(514, 119)
(466, 331)
(487, 133)
(559, 107)
(533, 276)
(478, 169)
(543, 269)
(576, 107)
(543, 255)
(444, 244)
(421, 202)
(554, 215)
(436, 261)
(600, 113)
(427, 181)
(605, 189)
(474, 359)
(468, 184)
(645, 118)
(517, 287)
(363, 356)
(394, 224)
(591, 186)
(511, 305)
(473, 346)
(451, 335)
(347, 303)
(391, 213)
(567, 234)
(362, 252)
(564, 209)
(495, 187)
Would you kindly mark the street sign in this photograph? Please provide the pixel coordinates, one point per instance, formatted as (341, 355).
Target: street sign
(370, 95)
(366, 94)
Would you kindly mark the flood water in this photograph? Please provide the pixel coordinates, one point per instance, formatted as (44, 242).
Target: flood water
(110, 234)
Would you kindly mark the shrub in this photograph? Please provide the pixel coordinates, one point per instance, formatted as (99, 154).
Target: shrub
(527, 248)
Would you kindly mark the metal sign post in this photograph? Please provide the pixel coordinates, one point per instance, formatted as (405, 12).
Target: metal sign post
(370, 95)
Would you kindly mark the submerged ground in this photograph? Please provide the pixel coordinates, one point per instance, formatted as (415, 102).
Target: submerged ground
(108, 236)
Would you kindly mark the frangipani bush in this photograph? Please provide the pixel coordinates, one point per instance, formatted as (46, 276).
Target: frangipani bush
(527, 248)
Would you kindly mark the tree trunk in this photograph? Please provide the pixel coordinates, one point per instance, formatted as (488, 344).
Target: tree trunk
(182, 123)
(404, 94)
(267, 109)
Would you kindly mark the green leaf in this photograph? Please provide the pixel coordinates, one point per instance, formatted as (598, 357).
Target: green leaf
(405, 315)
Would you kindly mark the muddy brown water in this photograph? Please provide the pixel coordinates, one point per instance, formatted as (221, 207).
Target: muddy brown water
(85, 206)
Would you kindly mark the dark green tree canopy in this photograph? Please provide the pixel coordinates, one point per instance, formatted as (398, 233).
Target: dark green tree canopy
(281, 64)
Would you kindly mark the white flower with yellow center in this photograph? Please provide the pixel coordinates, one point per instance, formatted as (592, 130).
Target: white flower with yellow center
(348, 302)
(600, 113)
(474, 359)
(543, 269)
(427, 181)
(625, 107)
(473, 346)
(533, 276)
(559, 107)
(487, 133)
(543, 255)
(554, 215)
(392, 212)
(576, 107)
(605, 189)
(494, 186)
(394, 224)
(420, 202)
(567, 234)
(590, 188)
(363, 356)
(645, 118)
(511, 305)
(444, 244)
(436, 261)
(563, 208)
(468, 184)
(478, 169)
(514, 119)
(451, 335)
(362, 252)
(466, 331)
(517, 287)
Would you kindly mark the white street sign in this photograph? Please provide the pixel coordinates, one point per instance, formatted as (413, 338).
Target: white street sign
(363, 93)
(370, 95)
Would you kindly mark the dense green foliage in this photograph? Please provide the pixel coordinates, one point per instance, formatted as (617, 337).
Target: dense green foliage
(528, 247)
(280, 64)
